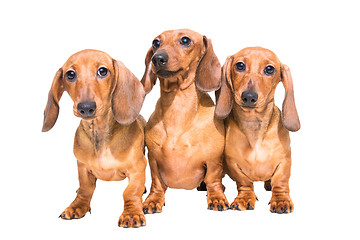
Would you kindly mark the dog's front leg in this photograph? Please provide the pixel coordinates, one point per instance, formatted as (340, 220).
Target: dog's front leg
(216, 198)
(133, 215)
(246, 198)
(156, 198)
(280, 201)
(81, 205)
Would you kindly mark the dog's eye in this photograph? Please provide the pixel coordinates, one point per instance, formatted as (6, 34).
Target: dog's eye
(269, 70)
(70, 75)
(185, 41)
(156, 43)
(240, 66)
(102, 72)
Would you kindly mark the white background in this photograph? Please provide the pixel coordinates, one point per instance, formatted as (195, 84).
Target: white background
(318, 40)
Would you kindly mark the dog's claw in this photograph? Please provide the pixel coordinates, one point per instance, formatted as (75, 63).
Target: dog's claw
(72, 217)
(249, 207)
(210, 207)
(155, 210)
(145, 210)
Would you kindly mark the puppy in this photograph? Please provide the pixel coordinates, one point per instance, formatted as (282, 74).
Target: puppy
(185, 142)
(257, 146)
(109, 141)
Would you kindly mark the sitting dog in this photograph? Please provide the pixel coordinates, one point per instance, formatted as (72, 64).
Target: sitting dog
(185, 142)
(109, 141)
(257, 146)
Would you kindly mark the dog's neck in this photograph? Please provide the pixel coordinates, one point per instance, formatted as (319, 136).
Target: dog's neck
(254, 123)
(99, 130)
(179, 107)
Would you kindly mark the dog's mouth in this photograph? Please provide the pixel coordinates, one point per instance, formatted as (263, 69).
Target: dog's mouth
(165, 73)
(248, 106)
(90, 117)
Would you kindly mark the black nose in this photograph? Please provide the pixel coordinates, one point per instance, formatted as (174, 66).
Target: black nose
(86, 109)
(160, 59)
(249, 97)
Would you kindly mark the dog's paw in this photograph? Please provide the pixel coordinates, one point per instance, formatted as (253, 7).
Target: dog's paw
(217, 203)
(75, 211)
(153, 206)
(132, 220)
(281, 203)
(244, 201)
(154, 203)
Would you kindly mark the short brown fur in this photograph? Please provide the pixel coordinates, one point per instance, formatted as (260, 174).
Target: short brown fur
(184, 140)
(110, 144)
(257, 146)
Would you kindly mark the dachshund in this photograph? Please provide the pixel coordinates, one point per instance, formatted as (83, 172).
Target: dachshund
(185, 141)
(109, 141)
(257, 145)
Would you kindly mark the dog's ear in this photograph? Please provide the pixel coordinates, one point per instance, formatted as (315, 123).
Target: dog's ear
(51, 111)
(149, 78)
(208, 72)
(224, 99)
(128, 95)
(290, 116)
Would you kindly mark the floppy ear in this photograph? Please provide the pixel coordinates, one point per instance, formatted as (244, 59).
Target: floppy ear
(51, 111)
(224, 99)
(290, 116)
(149, 78)
(128, 95)
(208, 72)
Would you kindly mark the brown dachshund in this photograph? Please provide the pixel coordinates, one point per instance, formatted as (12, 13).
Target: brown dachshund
(184, 140)
(109, 141)
(257, 146)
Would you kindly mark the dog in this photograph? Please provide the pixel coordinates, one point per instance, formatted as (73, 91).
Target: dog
(109, 141)
(257, 145)
(185, 141)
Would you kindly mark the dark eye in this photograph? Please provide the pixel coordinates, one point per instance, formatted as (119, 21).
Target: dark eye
(70, 75)
(156, 43)
(185, 41)
(102, 72)
(240, 66)
(269, 70)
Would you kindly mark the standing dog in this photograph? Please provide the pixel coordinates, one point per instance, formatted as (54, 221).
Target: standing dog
(257, 144)
(184, 140)
(109, 142)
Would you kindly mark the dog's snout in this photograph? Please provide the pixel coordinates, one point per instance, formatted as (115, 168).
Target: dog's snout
(160, 59)
(86, 109)
(249, 97)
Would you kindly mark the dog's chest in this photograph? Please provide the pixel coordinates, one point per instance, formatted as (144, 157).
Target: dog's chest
(254, 158)
(106, 166)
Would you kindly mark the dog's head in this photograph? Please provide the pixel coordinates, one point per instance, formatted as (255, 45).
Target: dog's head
(250, 78)
(179, 57)
(96, 83)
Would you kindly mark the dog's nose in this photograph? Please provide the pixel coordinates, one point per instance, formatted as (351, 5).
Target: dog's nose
(160, 59)
(249, 97)
(86, 109)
